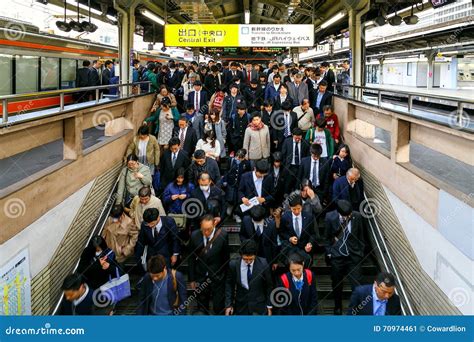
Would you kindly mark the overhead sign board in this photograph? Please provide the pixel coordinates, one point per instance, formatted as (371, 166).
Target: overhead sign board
(234, 35)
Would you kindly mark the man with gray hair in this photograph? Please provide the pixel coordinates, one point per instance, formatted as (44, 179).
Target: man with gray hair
(349, 188)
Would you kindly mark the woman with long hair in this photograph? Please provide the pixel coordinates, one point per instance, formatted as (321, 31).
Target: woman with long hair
(218, 127)
(177, 192)
(210, 145)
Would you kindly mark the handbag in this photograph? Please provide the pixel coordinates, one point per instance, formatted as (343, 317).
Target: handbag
(117, 289)
(179, 219)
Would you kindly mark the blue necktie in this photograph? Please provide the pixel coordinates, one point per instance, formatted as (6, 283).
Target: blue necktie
(299, 284)
(379, 311)
(249, 274)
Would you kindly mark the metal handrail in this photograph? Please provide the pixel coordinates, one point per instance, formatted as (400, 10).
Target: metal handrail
(98, 228)
(61, 92)
(377, 234)
(408, 93)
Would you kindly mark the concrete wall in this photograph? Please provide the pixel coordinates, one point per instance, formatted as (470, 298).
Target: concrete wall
(437, 219)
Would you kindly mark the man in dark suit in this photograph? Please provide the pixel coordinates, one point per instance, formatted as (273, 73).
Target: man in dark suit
(95, 74)
(377, 299)
(207, 193)
(172, 159)
(160, 234)
(345, 250)
(233, 72)
(250, 73)
(322, 97)
(78, 297)
(349, 188)
(82, 80)
(327, 75)
(252, 185)
(201, 164)
(257, 228)
(107, 75)
(294, 149)
(186, 135)
(316, 169)
(253, 96)
(282, 124)
(173, 77)
(213, 81)
(301, 284)
(208, 263)
(249, 283)
(277, 177)
(171, 296)
(198, 97)
(297, 231)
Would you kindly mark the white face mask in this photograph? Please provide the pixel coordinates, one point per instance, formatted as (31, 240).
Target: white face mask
(97, 253)
(204, 187)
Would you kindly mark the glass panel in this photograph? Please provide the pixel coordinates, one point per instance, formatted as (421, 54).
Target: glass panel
(5, 75)
(68, 73)
(49, 73)
(26, 74)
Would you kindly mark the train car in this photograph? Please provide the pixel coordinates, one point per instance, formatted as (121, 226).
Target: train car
(34, 62)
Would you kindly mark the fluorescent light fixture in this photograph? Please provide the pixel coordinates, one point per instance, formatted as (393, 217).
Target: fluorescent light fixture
(152, 16)
(247, 17)
(334, 19)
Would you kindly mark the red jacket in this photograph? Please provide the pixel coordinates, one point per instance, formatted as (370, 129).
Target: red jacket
(332, 124)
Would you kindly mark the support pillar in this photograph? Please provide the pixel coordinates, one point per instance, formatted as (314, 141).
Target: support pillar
(430, 76)
(196, 52)
(400, 141)
(381, 60)
(72, 137)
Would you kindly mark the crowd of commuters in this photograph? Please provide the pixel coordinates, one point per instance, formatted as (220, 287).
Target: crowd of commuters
(258, 146)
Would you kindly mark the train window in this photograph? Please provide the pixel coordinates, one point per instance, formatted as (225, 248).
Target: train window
(26, 74)
(49, 73)
(68, 73)
(5, 75)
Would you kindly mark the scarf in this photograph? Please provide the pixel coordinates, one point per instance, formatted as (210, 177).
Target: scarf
(254, 127)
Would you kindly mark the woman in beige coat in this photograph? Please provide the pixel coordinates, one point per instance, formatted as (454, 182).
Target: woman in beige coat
(257, 139)
(146, 147)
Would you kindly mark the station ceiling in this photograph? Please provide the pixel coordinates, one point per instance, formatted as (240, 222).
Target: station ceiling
(261, 11)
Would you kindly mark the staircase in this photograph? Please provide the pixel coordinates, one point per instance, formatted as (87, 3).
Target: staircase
(319, 267)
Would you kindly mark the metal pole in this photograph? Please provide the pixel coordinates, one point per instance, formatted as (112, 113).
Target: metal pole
(97, 96)
(410, 102)
(5, 110)
(460, 112)
(379, 98)
(61, 102)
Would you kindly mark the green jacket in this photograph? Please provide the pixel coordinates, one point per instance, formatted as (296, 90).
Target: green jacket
(155, 118)
(329, 140)
(154, 82)
(128, 182)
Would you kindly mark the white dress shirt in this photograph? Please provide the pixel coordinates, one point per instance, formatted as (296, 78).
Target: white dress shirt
(313, 164)
(300, 224)
(243, 273)
(258, 183)
(210, 237)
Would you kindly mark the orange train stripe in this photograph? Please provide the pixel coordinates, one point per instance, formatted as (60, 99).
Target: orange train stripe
(25, 106)
(54, 48)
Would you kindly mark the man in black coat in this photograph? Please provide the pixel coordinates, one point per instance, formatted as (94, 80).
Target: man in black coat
(322, 97)
(252, 184)
(277, 177)
(233, 72)
(201, 164)
(253, 97)
(263, 232)
(95, 74)
(186, 135)
(78, 297)
(249, 283)
(172, 159)
(107, 75)
(160, 235)
(297, 231)
(327, 75)
(377, 299)
(208, 194)
(213, 81)
(208, 263)
(237, 127)
(316, 169)
(82, 80)
(345, 250)
(171, 296)
(294, 149)
(283, 124)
